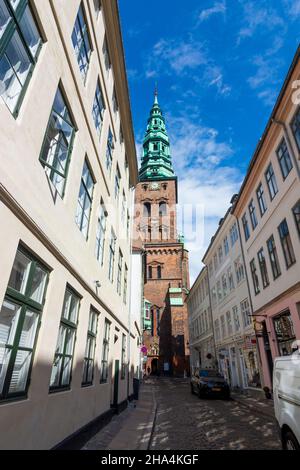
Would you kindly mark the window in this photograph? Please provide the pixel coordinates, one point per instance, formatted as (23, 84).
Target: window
(149, 272)
(89, 356)
(284, 159)
(296, 128)
(119, 278)
(263, 268)
(220, 253)
(112, 249)
(223, 326)
(85, 198)
(296, 212)
(271, 182)
(58, 143)
(123, 213)
(117, 183)
(100, 235)
(214, 296)
(261, 199)
(147, 209)
(246, 314)
(254, 277)
(115, 101)
(273, 257)
(62, 366)
(125, 284)
(98, 109)
(286, 243)
(123, 360)
(246, 227)
(155, 147)
(285, 333)
(215, 261)
(81, 43)
(239, 269)
(105, 352)
(226, 246)
(229, 323)
(162, 209)
(98, 6)
(20, 43)
(217, 330)
(224, 285)
(252, 212)
(19, 318)
(158, 272)
(109, 150)
(219, 291)
(128, 224)
(230, 279)
(236, 318)
(234, 235)
(106, 55)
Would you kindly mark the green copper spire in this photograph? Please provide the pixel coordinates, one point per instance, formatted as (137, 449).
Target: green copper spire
(156, 160)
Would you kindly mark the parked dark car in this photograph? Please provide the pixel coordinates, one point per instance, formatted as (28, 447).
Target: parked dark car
(209, 383)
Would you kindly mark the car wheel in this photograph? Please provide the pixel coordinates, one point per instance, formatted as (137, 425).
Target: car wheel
(289, 441)
(227, 396)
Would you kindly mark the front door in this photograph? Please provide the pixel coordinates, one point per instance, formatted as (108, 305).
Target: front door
(116, 384)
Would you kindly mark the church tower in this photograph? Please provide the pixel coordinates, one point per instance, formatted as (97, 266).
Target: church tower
(166, 280)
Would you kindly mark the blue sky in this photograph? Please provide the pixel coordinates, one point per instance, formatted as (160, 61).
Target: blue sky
(219, 67)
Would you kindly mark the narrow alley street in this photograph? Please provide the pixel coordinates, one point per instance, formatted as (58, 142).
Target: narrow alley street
(181, 421)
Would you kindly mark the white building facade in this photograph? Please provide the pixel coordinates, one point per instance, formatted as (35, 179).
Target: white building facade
(231, 307)
(67, 163)
(202, 345)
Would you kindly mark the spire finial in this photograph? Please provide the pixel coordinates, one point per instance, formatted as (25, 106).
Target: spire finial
(156, 94)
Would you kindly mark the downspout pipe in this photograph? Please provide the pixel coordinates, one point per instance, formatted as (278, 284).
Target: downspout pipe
(289, 143)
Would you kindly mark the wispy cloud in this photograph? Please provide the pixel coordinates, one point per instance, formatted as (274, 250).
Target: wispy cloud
(179, 55)
(256, 18)
(216, 9)
(265, 81)
(293, 8)
(186, 58)
(202, 159)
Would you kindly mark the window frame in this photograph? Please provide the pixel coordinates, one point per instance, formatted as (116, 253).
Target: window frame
(105, 352)
(68, 324)
(92, 335)
(13, 27)
(271, 179)
(297, 221)
(88, 196)
(254, 275)
(262, 203)
(26, 304)
(289, 245)
(263, 268)
(252, 213)
(88, 54)
(43, 162)
(275, 265)
(99, 109)
(246, 228)
(123, 357)
(285, 157)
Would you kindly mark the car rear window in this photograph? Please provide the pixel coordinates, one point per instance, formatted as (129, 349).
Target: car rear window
(209, 373)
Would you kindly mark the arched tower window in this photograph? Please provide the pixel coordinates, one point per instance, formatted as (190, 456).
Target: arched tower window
(147, 209)
(158, 272)
(162, 209)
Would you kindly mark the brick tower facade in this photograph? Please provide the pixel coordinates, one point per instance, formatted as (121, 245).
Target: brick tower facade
(166, 281)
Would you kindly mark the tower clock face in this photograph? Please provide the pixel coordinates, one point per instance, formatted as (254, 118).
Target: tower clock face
(154, 186)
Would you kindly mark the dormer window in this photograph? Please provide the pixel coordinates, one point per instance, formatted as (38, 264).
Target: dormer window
(155, 147)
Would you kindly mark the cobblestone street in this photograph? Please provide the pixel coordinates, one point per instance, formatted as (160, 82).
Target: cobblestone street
(184, 422)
